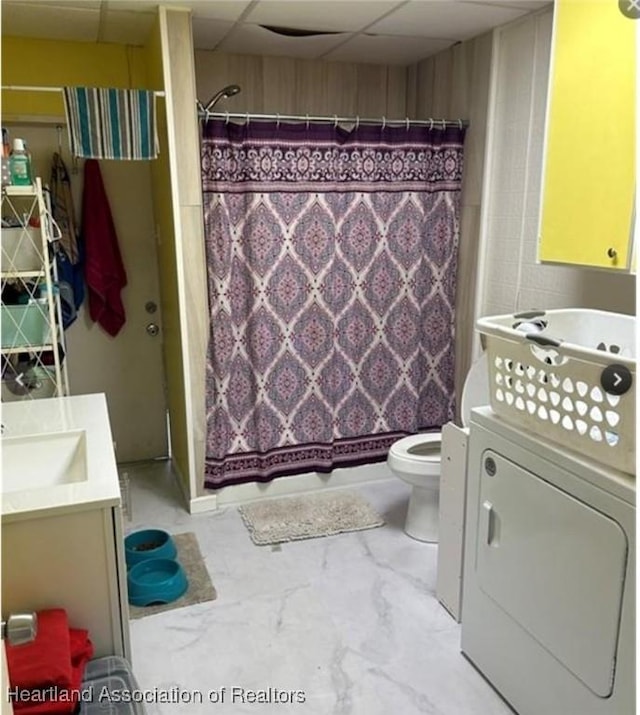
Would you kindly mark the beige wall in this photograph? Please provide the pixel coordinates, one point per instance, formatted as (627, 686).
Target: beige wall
(168, 271)
(455, 84)
(181, 243)
(283, 85)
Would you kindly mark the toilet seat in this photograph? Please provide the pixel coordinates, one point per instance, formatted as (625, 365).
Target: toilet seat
(417, 454)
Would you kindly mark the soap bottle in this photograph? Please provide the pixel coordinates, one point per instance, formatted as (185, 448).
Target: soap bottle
(6, 171)
(20, 164)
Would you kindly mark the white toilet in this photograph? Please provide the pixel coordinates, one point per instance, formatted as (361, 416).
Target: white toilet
(416, 459)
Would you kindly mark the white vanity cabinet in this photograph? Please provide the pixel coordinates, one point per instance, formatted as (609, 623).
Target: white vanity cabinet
(548, 613)
(62, 535)
(70, 561)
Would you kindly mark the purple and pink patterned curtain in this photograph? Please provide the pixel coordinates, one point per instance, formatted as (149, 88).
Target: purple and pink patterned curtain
(331, 258)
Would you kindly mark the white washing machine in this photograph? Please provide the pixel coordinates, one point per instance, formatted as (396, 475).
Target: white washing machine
(548, 609)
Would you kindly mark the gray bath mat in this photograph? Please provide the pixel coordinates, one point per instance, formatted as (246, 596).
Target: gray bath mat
(274, 521)
(200, 587)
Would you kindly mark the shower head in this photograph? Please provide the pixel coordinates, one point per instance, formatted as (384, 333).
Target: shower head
(225, 92)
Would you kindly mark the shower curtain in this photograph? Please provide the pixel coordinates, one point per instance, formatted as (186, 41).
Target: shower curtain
(331, 261)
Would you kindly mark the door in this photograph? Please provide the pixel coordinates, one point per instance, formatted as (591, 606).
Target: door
(553, 564)
(129, 368)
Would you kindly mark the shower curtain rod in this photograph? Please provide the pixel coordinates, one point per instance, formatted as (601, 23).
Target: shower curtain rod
(433, 123)
(24, 88)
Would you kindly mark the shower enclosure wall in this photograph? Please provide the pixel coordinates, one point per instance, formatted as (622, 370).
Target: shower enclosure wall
(454, 84)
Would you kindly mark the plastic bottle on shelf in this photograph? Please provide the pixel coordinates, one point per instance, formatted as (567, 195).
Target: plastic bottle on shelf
(20, 164)
(6, 151)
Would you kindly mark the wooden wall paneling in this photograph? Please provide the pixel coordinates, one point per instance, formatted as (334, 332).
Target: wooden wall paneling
(247, 71)
(412, 91)
(396, 92)
(443, 83)
(476, 113)
(311, 87)
(454, 84)
(342, 85)
(184, 156)
(372, 90)
(278, 82)
(461, 76)
(212, 73)
(424, 88)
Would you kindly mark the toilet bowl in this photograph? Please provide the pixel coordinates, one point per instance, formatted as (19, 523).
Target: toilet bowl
(416, 459)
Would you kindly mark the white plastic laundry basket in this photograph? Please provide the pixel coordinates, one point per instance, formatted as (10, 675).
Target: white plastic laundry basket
(568, 376)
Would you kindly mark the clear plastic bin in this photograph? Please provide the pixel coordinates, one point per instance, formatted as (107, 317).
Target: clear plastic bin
(105, 680)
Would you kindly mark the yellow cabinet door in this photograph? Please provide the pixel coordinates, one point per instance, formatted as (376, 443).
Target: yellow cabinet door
(589, 170)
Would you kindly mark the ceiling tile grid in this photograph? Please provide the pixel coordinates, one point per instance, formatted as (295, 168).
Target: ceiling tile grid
(397, 32)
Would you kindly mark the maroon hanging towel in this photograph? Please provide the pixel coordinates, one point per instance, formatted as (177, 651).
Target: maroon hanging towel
(104, 270)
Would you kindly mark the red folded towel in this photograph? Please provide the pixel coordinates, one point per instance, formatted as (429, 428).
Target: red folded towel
(46, 660)
(43, 696)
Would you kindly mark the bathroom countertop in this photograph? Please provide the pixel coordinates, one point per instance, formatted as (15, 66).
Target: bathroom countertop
(86, 413)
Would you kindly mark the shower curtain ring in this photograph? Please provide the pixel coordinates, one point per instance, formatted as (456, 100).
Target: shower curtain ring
(307, 121)
(459, 123)
(278, 120)
(335, 121)
(226, 121)
(384, 122)
(407, 123)
(431, 125)
(444, 124)
(357, 121)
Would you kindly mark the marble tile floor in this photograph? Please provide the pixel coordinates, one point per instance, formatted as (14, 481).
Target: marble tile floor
(350, 622)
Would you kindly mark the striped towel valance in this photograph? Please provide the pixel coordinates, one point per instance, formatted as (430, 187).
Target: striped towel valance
(111, 123)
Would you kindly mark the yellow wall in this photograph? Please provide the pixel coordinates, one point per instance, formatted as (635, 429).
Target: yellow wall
(163, 209)
(53, 63)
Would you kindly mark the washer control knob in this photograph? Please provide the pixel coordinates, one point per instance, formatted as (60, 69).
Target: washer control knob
(490, 466)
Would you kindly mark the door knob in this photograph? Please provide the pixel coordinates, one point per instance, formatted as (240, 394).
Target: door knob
(153, 329)
(20, 628)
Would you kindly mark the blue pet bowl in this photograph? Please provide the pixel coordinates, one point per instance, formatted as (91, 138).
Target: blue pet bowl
(156, 581)
(148, 544)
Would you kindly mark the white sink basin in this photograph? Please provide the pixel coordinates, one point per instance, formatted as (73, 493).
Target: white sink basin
(39, 461)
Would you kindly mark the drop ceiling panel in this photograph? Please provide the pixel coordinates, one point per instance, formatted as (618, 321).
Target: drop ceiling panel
(397, 22)
(84, 4)
(229, 10)
(386, 49)
(337, 15)
(50, 22)
(445, 19)
(143, 6)
(208, 33)
(255, 40)
(132, 28)
(517, 4)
